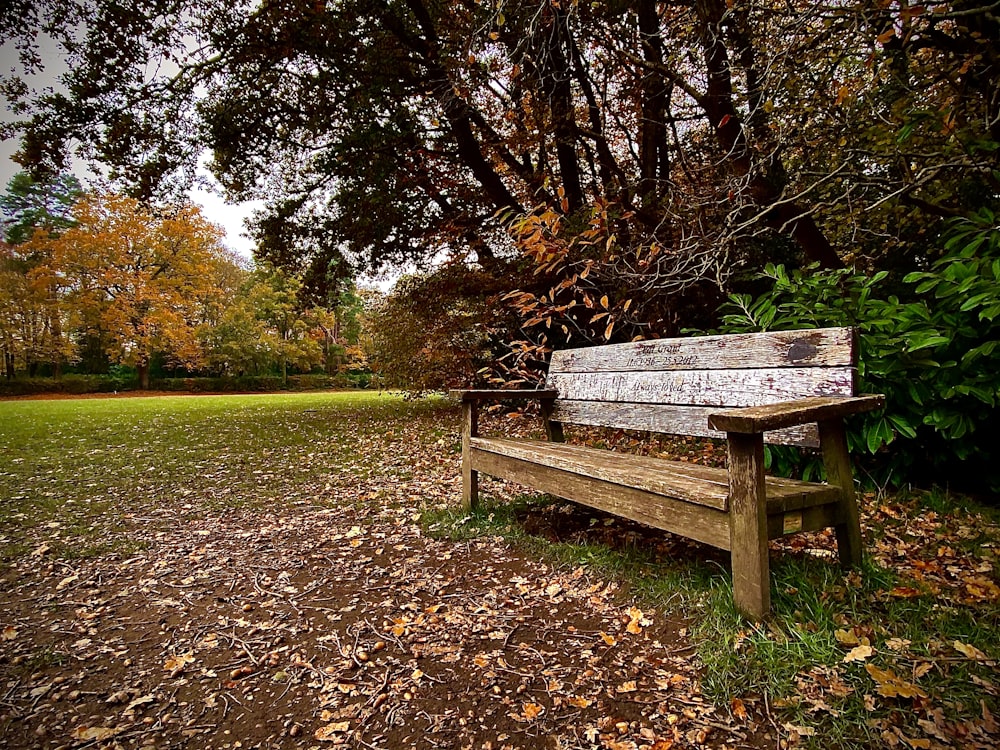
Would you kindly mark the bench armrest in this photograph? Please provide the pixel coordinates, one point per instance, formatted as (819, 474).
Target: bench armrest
(502, 395)
(752, 419)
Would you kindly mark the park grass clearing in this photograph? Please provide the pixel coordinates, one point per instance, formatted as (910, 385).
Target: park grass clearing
(901, 654)
(83, 467)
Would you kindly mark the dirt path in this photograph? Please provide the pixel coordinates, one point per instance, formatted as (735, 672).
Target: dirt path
(330, 627)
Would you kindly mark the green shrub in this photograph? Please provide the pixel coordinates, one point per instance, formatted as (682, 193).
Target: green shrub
(68, 384)
(933, 348)
(81, 384)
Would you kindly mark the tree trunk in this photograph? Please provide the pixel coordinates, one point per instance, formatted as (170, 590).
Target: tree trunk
(143, 370)
(719, 106)
(654, 159)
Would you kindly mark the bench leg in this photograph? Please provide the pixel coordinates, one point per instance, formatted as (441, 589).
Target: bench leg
(470, 477)
(553, 429)
(748, 525)
(837, 461)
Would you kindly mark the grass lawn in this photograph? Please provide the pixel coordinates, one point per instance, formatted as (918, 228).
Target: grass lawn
(80, 469)
(191, 515)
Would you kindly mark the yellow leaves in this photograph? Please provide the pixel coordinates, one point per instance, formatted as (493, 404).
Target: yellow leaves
(145, 277)
(629, 686)
(637, 621)
(604, 302)
(981, 589)
(9, 633)
(889, 685)
(859, 644)
(610, 640)
(970, 652)
(858, 653)
(739, 709)
(531, 710)
(93, 734)
(176, 664)
(578, 701)
(333, 732)
(851, 638)
(142, 700)
(797, 732)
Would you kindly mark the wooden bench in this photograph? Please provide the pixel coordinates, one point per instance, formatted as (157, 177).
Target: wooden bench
(792, 387)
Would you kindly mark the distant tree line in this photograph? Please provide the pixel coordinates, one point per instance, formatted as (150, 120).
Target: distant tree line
(94, 280)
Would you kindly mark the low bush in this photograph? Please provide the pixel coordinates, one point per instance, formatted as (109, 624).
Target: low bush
(68, 384)
(83, 384)
(933, 347)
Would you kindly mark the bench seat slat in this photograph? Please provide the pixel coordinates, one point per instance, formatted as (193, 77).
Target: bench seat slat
(721, 388)
(825, 347)
(691, 520)
(667, 418)
(693, 483)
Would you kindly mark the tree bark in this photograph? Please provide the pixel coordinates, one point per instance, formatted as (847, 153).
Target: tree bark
(654, 160)
(720, 108)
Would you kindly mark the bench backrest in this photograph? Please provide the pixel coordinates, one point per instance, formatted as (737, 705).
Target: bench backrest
(672, 385)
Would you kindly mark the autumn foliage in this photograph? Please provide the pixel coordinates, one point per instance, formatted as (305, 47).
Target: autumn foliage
(128, 284)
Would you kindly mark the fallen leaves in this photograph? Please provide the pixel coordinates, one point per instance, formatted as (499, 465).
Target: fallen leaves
(889, 685)
(175, 664)
(970, 652)
(637, 621)
(325, 614)
(93, 734)
(335, 732)
(858, 653)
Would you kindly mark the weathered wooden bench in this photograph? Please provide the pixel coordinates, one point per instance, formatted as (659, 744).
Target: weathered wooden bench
(792, 387)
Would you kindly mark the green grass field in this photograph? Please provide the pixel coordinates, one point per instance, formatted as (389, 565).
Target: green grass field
(76, 470)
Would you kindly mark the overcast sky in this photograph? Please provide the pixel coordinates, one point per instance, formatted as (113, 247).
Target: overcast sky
(230, 217)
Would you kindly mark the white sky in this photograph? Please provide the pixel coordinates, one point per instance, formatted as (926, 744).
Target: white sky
(215, 209)
(229, 216)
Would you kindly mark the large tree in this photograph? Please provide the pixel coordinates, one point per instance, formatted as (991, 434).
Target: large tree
(31, 314)
(143, 281)
(692, 139)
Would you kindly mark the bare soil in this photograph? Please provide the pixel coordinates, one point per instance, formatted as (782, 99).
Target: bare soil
(323, 627)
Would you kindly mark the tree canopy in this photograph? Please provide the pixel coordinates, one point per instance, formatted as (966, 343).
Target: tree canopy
(725, 133)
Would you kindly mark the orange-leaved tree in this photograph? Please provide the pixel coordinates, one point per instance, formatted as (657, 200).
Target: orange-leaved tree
(141, 278)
